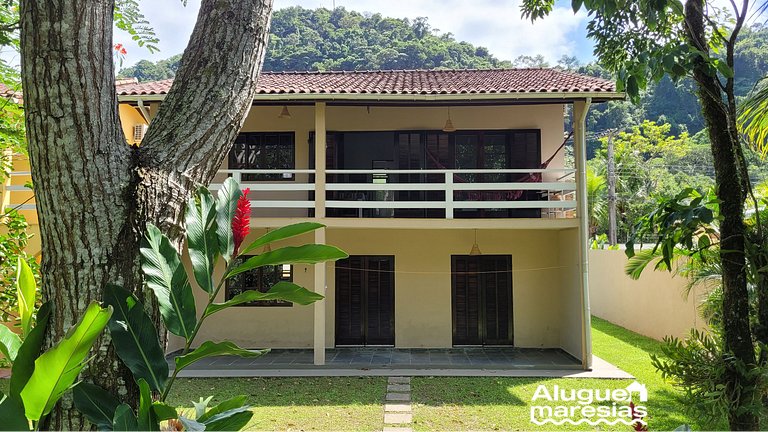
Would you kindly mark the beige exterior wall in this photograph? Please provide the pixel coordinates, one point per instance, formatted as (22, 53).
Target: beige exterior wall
(654, 305)
(544, 293)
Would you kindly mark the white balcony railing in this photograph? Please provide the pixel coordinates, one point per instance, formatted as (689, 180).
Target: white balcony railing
(378, 193)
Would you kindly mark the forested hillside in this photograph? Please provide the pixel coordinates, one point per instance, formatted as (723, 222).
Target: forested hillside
(321, 39)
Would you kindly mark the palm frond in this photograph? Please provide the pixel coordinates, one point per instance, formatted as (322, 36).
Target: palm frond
(753, 118)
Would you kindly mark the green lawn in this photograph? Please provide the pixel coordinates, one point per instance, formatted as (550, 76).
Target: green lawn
(439, 403)
(503, 403)
(335, 403)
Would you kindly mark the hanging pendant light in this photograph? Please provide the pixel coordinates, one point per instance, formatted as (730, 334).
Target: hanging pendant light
(475, 248)
(449, 127)
(284, 114)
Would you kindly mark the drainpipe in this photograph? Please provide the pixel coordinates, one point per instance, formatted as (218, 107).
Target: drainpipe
(581, 153)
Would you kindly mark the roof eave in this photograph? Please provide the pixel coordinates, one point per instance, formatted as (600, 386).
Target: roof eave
(374, 97)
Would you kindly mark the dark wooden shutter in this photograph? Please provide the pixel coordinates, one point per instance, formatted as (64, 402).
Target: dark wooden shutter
(497, 299)
(365, 301)
(466, 301)
(380, 299)
(482, 300)
(349, 302)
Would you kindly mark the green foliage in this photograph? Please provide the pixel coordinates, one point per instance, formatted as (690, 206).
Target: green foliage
(14, 238)
(96, 404)
(701, 368)
(319, 39)
(26, 288)
(128, 17)
(57, 369)
(203, 237)
(682, 222)
(753, 119)
(650, 164)
(209, 349)
(226, 205)
(165, 276)
(10, 343)
(135, 337)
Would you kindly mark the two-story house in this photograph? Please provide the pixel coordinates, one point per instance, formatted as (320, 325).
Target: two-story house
(449, 189)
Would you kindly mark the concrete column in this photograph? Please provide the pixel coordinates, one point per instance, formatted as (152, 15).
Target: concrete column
(319, 323)
(320, 150)
(580, 109)
(320, 269)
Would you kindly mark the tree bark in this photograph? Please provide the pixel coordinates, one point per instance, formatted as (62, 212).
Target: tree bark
(719, 118)
(94, 193)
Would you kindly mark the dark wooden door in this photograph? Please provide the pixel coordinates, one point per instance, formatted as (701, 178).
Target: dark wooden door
(365, 300)
(482, 300)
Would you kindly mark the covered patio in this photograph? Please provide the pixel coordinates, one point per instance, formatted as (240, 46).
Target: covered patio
(386, 361)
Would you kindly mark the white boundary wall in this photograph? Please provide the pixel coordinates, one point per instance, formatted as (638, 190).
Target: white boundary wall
(654, 306)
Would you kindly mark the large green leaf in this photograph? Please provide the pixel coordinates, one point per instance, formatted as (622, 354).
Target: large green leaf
(164, 411)
(202, 239)
(12, 414)
(166, 276)
(306, 254)
(135, 338)
(286, 291)
(232, 414)
(147, 419)
(125, 419)
(24, 364)
(232, 420)
(25, 291)
(210, 349)
(282, 234)
(229, 404)
(57, 369)
(226, 204)
(10, 342)
(96, 404)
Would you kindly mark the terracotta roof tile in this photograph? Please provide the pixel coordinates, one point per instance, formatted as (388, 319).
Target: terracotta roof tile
(409, 82)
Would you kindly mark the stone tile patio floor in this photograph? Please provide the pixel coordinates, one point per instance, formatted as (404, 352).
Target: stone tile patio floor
(498, 358)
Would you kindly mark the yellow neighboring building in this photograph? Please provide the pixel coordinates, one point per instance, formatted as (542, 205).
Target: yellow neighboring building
(447, 188)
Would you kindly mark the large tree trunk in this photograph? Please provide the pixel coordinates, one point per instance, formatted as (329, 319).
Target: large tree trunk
(94, 193)
(719, 119)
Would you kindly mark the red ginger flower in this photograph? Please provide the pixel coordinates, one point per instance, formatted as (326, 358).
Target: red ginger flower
(120, 49)
(241, 222)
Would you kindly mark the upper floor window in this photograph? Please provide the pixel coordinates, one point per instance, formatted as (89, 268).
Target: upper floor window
(264, 151)
(259, 279)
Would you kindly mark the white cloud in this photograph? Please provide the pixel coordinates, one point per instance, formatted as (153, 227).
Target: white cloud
(495, 24)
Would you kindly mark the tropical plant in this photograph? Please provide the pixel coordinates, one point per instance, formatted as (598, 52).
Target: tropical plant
(753, 118)
(13, 240)
(216, 228)
(596, 208)
(39, 381)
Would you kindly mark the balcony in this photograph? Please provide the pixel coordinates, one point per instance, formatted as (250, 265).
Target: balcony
(445, 194)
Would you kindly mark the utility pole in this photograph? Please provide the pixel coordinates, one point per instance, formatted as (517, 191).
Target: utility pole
(611, 168)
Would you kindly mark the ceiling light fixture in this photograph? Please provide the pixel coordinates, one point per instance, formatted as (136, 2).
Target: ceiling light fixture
(284, 114)
(449, 127)
(475, 248)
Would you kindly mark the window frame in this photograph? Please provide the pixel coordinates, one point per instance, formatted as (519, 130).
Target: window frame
(258, 140)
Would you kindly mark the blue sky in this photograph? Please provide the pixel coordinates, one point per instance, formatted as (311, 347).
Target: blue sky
(495, 24)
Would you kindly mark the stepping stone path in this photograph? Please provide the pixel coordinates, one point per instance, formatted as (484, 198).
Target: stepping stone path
(398, 415)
